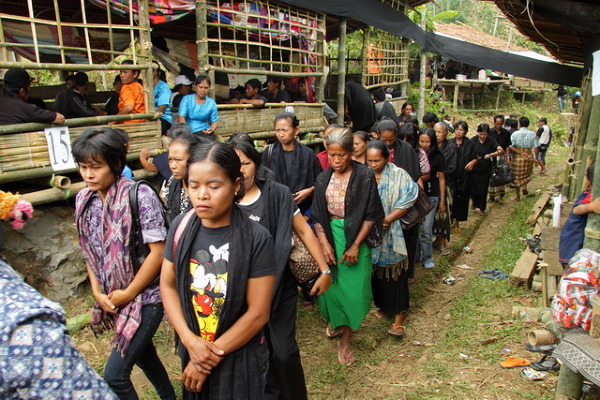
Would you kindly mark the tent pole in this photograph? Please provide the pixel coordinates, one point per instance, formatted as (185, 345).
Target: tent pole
(421, 107)
(145, 53)
(341, 89)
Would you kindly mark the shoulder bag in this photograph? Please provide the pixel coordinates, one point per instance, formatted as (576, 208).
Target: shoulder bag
(418, 211)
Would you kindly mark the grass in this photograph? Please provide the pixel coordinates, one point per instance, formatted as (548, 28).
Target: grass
(480, 311)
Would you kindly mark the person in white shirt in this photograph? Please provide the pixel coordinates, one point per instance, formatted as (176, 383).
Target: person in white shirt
(543, 136)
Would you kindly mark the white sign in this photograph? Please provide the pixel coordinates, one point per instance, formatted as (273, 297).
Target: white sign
(59, 148)
(596, 74)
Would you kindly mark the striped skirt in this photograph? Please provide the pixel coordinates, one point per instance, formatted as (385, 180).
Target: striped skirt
(522, 166)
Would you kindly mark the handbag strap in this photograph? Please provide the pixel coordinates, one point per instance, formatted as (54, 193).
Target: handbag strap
(179, 232)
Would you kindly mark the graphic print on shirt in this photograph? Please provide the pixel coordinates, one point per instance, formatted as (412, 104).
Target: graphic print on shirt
(209, 285)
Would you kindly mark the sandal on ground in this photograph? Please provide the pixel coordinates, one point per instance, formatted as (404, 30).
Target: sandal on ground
(381, 314)
(525, 192)
(332, 333)
(546, 363)
(396, 330)
(445, 252)
(513, 362)
(345, 358)
(309, 305)
(412, 280)
(546, 349)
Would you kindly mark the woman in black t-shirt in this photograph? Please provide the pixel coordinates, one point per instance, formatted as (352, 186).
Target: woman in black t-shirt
(435, 188)
(217, 282)
(272, 205)
(484, 149)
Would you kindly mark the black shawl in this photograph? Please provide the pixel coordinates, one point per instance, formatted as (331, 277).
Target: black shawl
(174, 201)
(362, 203)
(306, 168)
(449, 152)
(405, 157)
(464, 154)
(238, 374)
(279, 212)
(360, 106)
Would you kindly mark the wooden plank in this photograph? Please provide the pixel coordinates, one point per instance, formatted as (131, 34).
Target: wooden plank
(525, 268)
(537, 229)
(550, 257)
(550, 237)
(538, 208)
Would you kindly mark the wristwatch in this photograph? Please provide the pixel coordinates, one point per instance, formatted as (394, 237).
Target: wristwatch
(326, 272)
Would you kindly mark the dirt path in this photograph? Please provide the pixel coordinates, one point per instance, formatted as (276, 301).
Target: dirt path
(416, 367)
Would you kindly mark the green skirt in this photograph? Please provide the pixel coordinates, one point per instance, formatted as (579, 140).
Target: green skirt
(348, 300)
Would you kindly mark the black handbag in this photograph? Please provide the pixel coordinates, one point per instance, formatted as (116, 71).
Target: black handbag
(138, 250)
(501, 175)
(418, 211)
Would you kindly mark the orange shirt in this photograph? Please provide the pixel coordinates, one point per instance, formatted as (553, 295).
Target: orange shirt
(132, 94)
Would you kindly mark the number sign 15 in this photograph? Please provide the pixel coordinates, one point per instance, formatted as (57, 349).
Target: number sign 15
(59, 148)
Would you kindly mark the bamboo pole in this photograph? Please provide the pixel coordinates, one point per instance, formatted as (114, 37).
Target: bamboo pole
(97, 120)
(33, 31)
(58, 194)
(582, 133)
(59, 30)
(111, 38)
(70, 67)
(421, 106)
(145, 48)
(3, 40)
(263, 72)
(365, 60)
(341, 85)
(33, 173)
(592, 227)
(320, 80)
(86, 33)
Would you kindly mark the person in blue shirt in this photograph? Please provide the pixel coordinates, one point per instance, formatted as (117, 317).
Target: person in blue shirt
(573, 231)
(162, 99)
(198, 110)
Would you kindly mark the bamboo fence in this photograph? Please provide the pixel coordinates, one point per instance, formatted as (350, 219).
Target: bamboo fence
(259, 122)
(260, 37)
(386, 61)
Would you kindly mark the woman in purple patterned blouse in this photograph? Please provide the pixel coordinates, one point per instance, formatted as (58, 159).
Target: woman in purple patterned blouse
(127, 299)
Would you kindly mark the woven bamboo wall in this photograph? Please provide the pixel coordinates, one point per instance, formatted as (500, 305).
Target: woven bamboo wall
(261, 120)
(386, 61)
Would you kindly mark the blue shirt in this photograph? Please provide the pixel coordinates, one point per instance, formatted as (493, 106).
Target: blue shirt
(198, 116)
(162, 97)
(573, 231)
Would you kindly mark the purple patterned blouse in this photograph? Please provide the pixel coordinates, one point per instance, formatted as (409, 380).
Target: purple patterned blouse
(151, 221)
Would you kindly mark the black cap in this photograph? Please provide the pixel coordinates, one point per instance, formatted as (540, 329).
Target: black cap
(16, 78)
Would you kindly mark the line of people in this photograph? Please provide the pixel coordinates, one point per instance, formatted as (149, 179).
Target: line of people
(231, 214)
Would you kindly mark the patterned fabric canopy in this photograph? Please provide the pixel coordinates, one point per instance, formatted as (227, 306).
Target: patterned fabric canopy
(161, 11)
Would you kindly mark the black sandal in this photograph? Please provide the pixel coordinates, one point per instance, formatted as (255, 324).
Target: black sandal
(546, 363)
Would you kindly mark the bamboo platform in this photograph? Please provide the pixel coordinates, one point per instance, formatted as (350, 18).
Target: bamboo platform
(249, 119)
(22, 152)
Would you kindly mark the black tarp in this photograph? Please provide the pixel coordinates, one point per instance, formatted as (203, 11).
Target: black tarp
(384, 17)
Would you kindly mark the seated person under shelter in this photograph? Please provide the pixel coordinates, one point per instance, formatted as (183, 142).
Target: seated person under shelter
(77, 104)
(253, 95)
(274, 92)
(15, 109)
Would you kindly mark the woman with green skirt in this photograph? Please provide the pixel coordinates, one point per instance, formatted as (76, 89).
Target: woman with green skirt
(348, 217)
